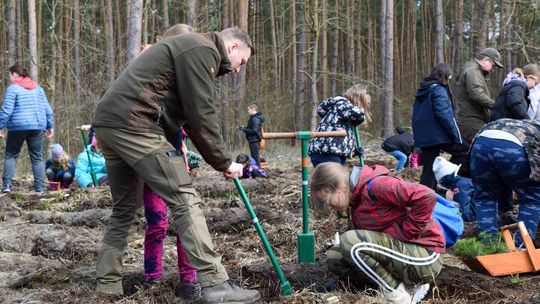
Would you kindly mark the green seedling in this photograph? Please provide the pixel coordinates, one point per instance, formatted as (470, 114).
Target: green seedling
(515, 279)
(483, 245)
(18, 198)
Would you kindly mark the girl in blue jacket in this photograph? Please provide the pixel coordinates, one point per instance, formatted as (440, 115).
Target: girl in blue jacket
(434, 124)
(27, 115)
(83, 170)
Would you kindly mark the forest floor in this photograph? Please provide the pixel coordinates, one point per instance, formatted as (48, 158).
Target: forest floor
(49, 245)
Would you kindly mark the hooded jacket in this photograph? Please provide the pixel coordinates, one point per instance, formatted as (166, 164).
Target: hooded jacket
(253, 129)
(82, 171)
(401, 142)
(26, 107)
(433, 119)
(512, 102)
(398, 208)
(170, 85)
(337, 113)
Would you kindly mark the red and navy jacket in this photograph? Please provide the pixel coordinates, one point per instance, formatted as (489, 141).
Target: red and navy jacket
(398, 208)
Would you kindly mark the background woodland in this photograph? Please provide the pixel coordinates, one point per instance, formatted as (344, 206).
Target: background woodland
(306, 51)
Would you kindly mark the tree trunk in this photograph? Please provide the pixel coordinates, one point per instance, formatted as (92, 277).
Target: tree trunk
(439, 34)
(335, 49)
(324, 48)
(481, 13)
(457, 53)
(383, 37)
(241, 76)
(76, 49)
(134, 30)
(32, 39)
(314, 66)
(294, 64)
(349, 38)
(109, 32)
(274, 46)
(225, 81)
(165, 15)
(12, 33)
(507, 29)
(192, 13)
(301, 41)
(387, 104)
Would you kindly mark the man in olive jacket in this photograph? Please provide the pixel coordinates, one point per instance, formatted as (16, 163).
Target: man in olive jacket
(170, 85)
(472, 93)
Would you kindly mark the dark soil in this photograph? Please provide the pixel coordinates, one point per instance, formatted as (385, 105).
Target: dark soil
(49, 244)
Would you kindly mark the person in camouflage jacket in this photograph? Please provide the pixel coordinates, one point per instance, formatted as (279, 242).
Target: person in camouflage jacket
(505, 157)
(395, 240)
(337, 113)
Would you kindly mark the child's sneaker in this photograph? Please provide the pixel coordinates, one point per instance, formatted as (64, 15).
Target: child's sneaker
(6, 189)
(188, 291)
(419, 293)
(398, 295)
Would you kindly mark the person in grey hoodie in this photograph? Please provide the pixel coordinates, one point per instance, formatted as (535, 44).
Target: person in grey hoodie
(27, 115)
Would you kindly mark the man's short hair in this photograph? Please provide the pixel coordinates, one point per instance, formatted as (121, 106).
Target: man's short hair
(236, 33)
(253, 106)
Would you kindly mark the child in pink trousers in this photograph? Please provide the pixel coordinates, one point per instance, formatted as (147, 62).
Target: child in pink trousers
(155, 212)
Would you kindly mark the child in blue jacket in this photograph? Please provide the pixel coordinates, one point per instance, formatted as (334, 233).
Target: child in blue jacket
(59, 167)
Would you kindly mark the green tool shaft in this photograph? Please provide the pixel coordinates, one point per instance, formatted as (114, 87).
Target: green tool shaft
(359, 144)
(285, 285)
(92, 172)
(305, 193)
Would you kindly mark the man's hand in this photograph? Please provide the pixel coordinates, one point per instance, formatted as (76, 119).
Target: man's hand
(1, 134)
(86, 127)
(234, 170)
(49, 133)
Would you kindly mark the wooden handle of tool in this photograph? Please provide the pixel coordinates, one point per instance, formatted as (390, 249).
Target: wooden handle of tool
(281, 135)
(340, 133)
(278, 135)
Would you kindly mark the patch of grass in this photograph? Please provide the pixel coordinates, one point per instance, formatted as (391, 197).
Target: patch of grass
(19, 198)
(483, 245)
(44, 204)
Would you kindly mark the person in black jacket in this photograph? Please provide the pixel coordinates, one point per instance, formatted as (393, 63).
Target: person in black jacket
(253, 131)
(399, 146)
(513, 100)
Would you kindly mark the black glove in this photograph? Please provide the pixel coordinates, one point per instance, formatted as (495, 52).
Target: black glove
(241, 128)
(359, 151)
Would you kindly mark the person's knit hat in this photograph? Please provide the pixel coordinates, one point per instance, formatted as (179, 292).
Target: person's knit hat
(57, 150)
(442, 167)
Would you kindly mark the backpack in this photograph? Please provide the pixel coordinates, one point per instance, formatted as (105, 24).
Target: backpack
(447, 214)
(262, 142)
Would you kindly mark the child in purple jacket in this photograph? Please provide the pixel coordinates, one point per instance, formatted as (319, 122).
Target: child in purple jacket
(251, 170)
